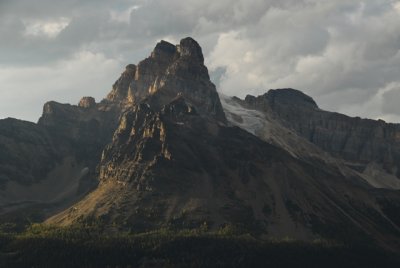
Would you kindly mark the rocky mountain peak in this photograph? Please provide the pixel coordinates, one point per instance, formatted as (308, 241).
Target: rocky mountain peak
(171, 70)
(164, 49)
(188, 47)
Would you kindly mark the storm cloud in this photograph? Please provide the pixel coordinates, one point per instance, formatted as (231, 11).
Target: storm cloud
(345, 54)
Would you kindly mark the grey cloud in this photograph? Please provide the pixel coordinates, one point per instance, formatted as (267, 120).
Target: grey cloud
(391, 100)
(89, 23)
(326, 49)
(343, 53)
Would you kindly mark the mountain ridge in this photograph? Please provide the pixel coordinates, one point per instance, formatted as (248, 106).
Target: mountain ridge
(368, 146)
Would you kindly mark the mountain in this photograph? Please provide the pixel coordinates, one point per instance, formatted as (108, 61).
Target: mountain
(170, 70)
(163, 150)
(368, 146)
(52, 164)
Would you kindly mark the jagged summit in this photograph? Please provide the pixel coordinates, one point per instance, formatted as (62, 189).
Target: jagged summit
(188, 47)
(170, 70)
(163, 49)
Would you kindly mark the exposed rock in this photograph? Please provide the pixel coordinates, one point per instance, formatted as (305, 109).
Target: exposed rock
(169, 71)
(164, 51)
(176, 168)
(40, 170)
(188, 47)
(358, 141)
(119, 92)
(27, 152)
(87, 102)
(41, 164)
(285, 96)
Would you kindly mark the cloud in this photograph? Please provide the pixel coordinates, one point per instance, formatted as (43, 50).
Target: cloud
(25, 90)
(391, 99)
(342, 53)
(123, 15)
(383, 104)
(46, 28)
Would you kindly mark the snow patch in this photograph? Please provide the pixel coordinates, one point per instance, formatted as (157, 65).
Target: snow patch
(247, 119)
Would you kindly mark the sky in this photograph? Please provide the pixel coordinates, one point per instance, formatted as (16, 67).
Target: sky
(343, 53)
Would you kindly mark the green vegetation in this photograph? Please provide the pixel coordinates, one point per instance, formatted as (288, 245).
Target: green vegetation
(92, 246)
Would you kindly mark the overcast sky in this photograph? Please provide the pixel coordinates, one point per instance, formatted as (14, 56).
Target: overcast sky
(345, 54)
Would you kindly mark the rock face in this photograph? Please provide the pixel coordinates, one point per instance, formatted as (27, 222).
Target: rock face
(281, 98)
(87, 102)
(175, 168)
(169, 71)
(50, 165)
(27, 152)
(165, 155)
(79, 134)
(120, 88)
(363, 143)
